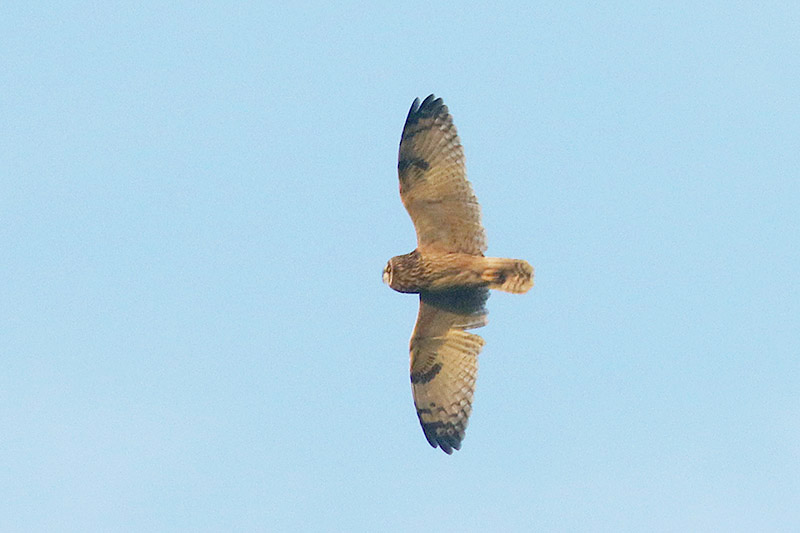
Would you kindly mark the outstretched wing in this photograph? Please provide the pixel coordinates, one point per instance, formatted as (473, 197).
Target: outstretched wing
(433, 182)
(444, 362)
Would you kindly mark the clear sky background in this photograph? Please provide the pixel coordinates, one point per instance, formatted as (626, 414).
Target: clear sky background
(197, 202)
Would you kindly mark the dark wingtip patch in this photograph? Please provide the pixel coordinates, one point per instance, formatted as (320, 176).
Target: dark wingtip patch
(430, 107)
(428, 99)
(443, 435)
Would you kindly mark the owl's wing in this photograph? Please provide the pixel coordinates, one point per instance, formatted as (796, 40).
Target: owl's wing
(444, 362)
(433, 182)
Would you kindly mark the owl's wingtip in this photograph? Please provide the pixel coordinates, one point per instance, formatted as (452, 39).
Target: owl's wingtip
(430, 107)
(446, 441)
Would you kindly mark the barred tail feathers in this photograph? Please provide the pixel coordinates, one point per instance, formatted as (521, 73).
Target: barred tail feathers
(508, 275)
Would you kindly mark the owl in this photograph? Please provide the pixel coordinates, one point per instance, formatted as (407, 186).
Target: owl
(447, 269)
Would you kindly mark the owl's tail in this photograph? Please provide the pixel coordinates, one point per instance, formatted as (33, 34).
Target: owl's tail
(508, 275)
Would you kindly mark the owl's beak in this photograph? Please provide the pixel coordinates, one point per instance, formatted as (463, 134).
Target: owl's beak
(386, 276)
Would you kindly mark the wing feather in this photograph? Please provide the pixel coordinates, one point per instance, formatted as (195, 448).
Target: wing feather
(433, 182)
(444, 363)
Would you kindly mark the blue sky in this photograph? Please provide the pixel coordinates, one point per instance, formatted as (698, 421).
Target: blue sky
(197, 202)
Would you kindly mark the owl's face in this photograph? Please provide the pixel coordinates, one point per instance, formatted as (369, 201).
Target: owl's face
(387, 273)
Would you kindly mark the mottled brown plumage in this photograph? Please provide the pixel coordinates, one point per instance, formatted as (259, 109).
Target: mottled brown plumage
(447, 269)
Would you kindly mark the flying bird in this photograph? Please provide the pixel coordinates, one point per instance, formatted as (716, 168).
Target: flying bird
(447, 269)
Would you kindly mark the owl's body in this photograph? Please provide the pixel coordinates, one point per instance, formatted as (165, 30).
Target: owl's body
(448, 270)
(416, 272)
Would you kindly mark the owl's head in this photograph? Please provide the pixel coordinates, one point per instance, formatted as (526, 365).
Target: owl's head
(402, 273)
